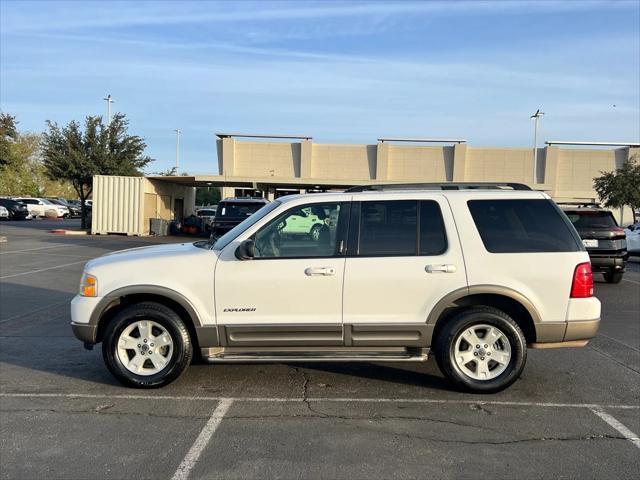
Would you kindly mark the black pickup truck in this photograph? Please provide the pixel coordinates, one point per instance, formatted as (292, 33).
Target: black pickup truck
(604, 240)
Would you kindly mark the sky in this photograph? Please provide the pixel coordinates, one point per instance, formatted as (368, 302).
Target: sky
(341, 72)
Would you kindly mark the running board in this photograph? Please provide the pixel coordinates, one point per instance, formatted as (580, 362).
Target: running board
(310, 354)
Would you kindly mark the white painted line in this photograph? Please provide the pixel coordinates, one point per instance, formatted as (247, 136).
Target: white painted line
(630, 281)
(189, 461)
(319, 399)
(615, 424)
(42, 270)
(33, 249)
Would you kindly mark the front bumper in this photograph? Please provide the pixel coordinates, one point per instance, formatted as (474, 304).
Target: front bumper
(81, 311)
(85, 332)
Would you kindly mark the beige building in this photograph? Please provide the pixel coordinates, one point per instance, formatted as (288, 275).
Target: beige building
(278, 165)
(272, 166)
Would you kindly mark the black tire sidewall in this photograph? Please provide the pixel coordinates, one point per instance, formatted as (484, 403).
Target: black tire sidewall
(498, 319)
(182, 349)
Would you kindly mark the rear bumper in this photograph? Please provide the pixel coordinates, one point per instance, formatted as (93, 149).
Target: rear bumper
(601, 262)
(581, 325)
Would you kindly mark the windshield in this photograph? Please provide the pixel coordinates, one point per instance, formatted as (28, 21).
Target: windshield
(238, 210)
(595, 219)
(228, 237)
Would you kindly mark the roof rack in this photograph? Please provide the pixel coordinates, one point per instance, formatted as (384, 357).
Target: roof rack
(587, 204)
(439, 186)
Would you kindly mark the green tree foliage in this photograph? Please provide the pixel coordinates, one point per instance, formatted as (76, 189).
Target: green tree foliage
(207, 195)
(75, 155)
(8, 135)
(620, 187)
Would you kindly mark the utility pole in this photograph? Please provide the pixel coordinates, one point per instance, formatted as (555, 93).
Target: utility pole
(536, 116)
(109, 101)
(177, 130)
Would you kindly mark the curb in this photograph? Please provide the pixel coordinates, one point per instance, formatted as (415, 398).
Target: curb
(60, 231)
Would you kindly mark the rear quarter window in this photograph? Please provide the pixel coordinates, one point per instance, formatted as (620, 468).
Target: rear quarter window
(520, 226)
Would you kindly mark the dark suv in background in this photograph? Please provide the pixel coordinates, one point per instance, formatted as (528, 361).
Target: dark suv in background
(602, 237)
(17, 210)
(232, 211)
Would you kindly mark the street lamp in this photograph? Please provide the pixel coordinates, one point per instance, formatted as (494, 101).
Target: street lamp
(535, 116)
(177, 130)
(109, 101)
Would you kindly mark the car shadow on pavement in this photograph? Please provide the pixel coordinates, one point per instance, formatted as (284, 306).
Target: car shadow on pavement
(411, 374)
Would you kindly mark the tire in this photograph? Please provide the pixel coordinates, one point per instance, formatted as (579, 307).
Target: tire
(499, 375)
(158, 365)
(613, 277)
(315, 232)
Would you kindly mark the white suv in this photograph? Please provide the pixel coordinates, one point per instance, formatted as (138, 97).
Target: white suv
(472, 273)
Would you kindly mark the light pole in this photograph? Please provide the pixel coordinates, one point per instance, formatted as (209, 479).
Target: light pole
(177, 130)
(535, 116)
(109, 101)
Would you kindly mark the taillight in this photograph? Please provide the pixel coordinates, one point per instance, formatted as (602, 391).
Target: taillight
(582, 286)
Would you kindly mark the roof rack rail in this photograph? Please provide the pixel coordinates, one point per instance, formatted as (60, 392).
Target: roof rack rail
(587, 204)
(439, 186)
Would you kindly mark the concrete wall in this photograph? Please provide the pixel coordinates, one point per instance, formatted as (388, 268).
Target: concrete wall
(565, 173)
(352, 162)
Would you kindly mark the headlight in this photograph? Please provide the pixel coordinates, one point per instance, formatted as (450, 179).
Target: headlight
(88, 286)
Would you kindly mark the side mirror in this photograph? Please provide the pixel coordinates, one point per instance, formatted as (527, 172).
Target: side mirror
(245, 250)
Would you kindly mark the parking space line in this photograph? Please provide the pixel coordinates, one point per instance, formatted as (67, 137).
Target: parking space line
(630, 281)
(189, 461)
(33, 249)
(42, 270)
(616, 425)
(318, 399)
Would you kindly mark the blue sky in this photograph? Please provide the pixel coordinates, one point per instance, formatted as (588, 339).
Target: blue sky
(340, 72)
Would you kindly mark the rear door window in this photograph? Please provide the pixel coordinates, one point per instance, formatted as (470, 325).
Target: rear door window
(515, 226)
(388, 228)
(401, 228)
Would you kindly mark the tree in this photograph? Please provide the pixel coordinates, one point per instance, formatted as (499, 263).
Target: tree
(207, 195)
(75, 155)
(620, 187)
(21, 172)
(8, 135)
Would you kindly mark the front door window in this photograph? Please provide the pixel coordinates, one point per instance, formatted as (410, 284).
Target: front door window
(306, 231)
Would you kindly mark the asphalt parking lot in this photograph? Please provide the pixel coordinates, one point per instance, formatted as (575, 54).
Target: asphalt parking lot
(574, 413)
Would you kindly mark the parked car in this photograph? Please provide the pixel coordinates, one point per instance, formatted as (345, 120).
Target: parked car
(17, 210)
(603, 238)
(633, 238)
(4, 213)
(74, 211)
(208, 215)
(232, 211)
(35, 206)
(473, 275)
(308, 221)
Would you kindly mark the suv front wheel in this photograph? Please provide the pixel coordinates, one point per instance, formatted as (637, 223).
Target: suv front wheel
(147, 345)
(481, 349)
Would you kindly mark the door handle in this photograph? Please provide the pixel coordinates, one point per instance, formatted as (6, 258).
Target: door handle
(326, 271)
(440, 268)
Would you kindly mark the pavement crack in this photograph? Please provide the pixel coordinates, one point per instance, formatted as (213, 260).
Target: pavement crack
(305, 391)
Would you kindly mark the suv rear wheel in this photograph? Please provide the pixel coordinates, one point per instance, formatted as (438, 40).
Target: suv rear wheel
(613, 277)
(481, 350)
(147, 345)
